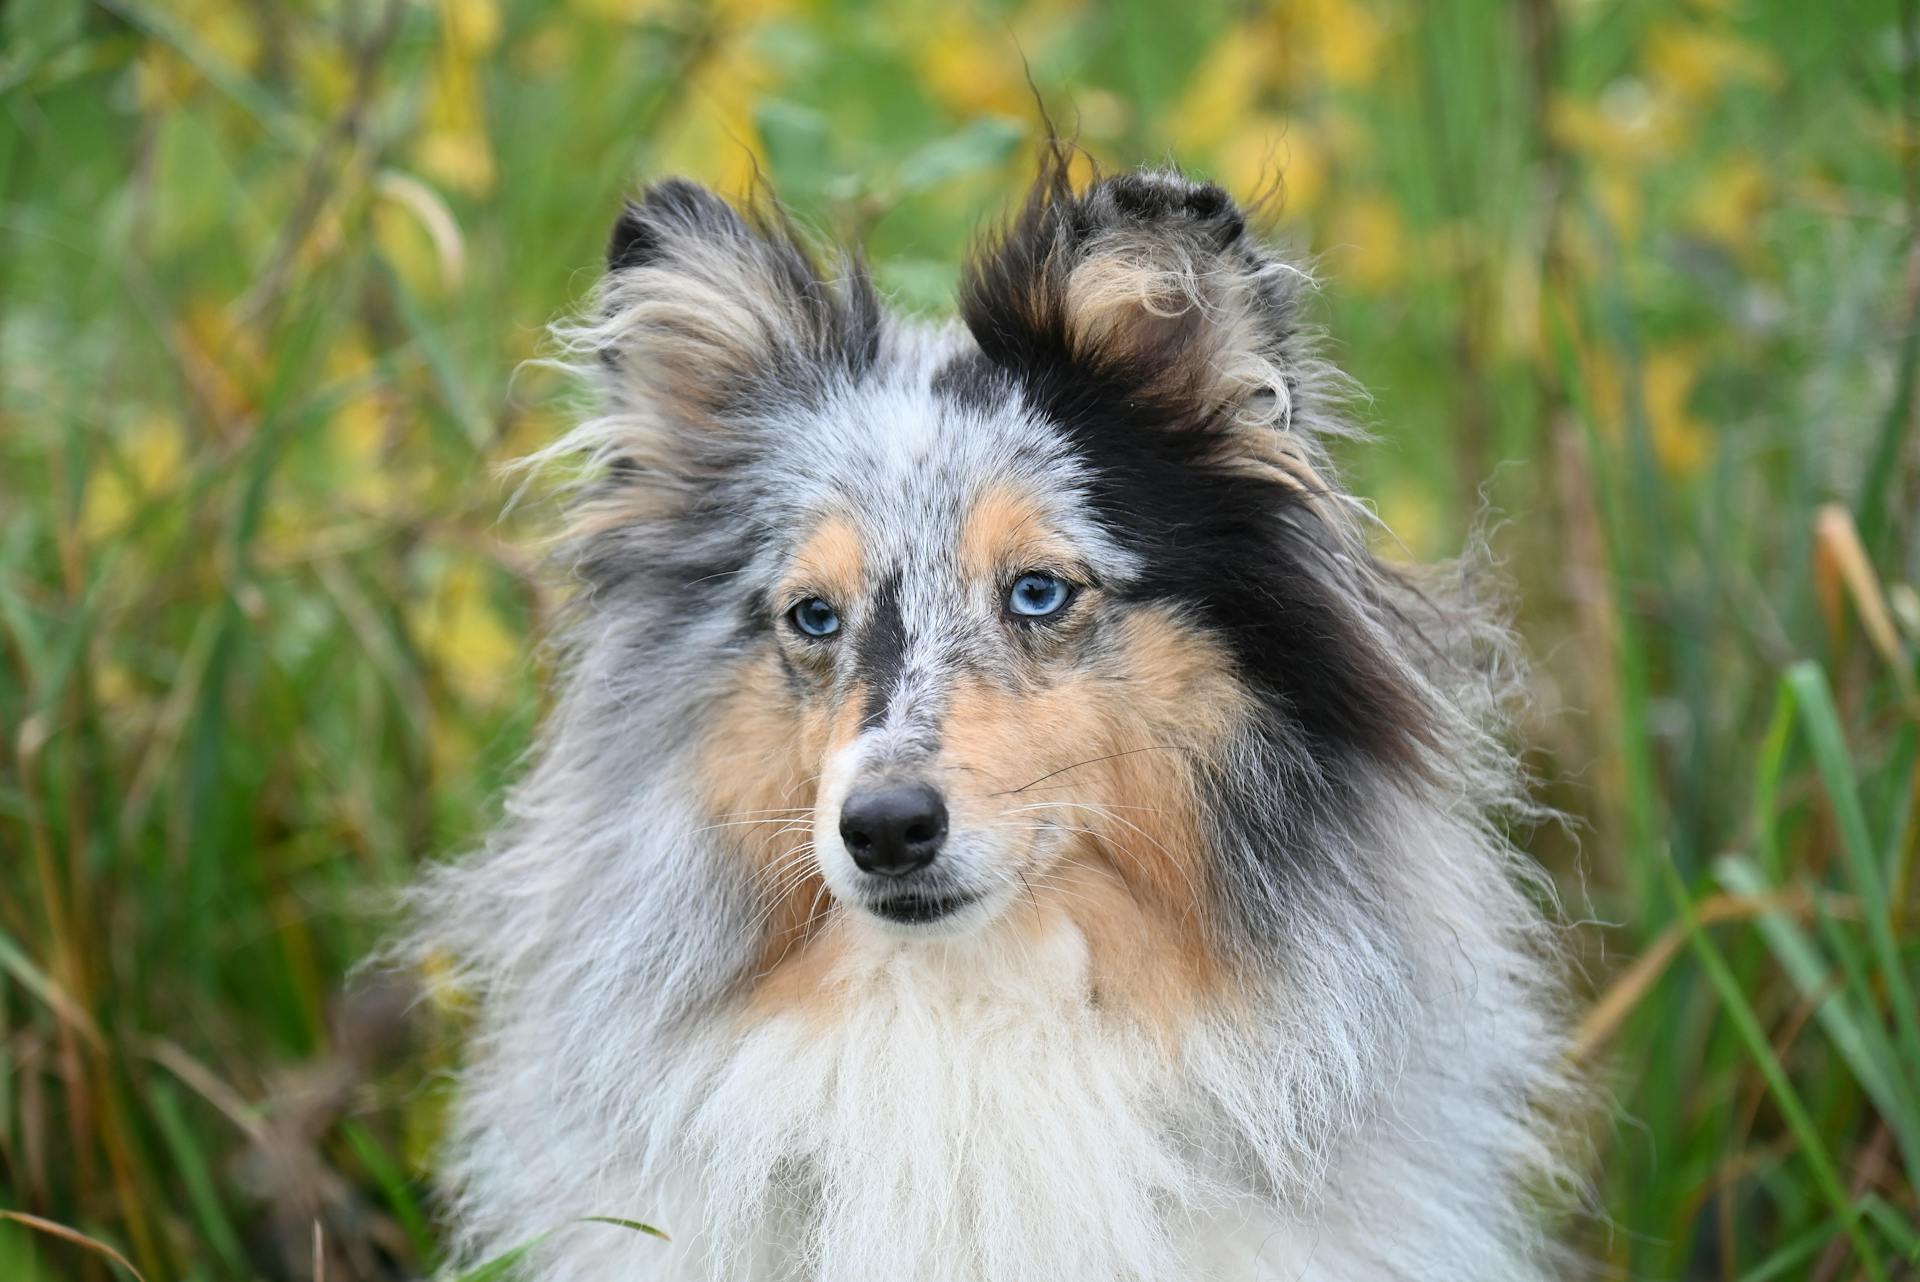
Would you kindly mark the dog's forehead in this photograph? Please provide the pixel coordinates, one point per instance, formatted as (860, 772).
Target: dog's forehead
(909, 464)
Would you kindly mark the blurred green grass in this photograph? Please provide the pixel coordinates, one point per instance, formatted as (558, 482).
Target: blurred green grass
(1642, 276)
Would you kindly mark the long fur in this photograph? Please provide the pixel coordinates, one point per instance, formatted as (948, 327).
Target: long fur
(1360, 1084)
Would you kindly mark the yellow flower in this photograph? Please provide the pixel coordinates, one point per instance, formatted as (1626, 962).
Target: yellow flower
(1407, 508)
(460, 631)
(1371, 241)
(357, 431)
(618, 10)
(323, 73)
(472, 26)
(455, 148)
(1730, 200)
(227, 29)
(148, 455)
(751, 10)
(1682, 443)
(161, 80)
(1266, 148)
(461, 158)
(548, 52)
(1620, 200)
(1346, 39)
(1102, 114)
(1604, 388)
(970, 72)
(1226, 86)
(1626, 128)
(716, 138)
(1695, 63)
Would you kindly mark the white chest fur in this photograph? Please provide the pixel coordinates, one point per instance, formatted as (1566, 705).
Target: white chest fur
(950, 1112)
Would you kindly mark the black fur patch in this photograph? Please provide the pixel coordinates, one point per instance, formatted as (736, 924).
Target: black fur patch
(883, 650)
(1245, 555)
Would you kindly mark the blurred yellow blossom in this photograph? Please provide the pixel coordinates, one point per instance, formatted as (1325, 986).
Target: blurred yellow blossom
(1102, 114)
(323, 74)
(1696, 62)
(161, 78)
(617, 10)
(1627, 127)
(1729, 200)
(455, 147)
(1407, 508)
(145, 458)
(1370, 243)
(971, 69)
(472, 26)
(1620, 197)
(1226, 85)
(226, 30)
(715, 137)
(548, 51)
(226, 360)
(1342, 39)
(464, 636)
(1682, 444)
(1266, 148)
(750, 10)
(356, 431)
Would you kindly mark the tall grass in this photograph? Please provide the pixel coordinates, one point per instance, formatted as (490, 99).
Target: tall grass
(1641, 277)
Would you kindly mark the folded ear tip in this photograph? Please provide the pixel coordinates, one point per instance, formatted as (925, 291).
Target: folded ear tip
(634, 241)
(1156, 195)
(667, 205)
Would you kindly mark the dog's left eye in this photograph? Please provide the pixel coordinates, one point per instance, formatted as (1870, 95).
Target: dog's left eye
(1036, 596)
(815, 618)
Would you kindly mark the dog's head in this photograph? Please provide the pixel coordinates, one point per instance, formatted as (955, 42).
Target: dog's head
(1058, 608)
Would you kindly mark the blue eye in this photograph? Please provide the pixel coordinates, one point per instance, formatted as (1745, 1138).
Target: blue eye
(1035, 596)
(815, 618)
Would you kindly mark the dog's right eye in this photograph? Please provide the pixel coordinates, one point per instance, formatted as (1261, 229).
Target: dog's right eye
(815, 618)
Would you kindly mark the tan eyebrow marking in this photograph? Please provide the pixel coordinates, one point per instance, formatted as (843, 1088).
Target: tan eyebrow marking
(1006, 530)
(832, 561)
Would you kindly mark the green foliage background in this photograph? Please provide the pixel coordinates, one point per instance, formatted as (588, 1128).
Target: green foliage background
(1642, 275)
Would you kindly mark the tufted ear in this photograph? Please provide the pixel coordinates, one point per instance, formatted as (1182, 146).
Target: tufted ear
(707, 313)
(1142, 287)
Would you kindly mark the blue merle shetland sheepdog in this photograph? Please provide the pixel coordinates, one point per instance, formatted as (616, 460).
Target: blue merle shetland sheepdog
(999, 821)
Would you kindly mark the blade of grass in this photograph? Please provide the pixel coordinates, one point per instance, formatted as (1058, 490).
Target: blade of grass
(635, 1225)
(1746, 1023)
(394, 1186)
(1842, 1013)
(75, 1236)
(1899, 1228)
(1791, 1256)
(1835, 764)
(501, 1266)
(14, 960)
(1881, 477)
(196, 1175)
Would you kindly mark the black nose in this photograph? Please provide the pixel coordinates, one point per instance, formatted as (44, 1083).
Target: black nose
(893, 830)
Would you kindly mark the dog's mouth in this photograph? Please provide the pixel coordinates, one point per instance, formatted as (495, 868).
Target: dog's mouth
(918, 910)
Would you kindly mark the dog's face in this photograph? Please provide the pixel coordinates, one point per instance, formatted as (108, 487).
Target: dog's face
(988, 616)
(986, 706)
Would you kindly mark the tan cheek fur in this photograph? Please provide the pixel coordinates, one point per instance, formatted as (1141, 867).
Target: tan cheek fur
(759, 767)
(1108, 754)
(761, 760)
